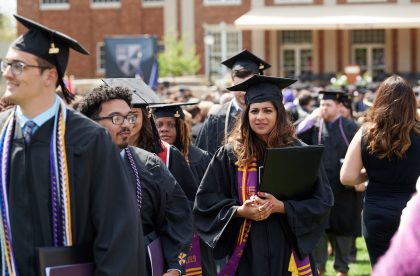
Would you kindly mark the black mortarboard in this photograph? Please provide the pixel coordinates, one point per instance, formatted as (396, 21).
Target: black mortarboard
(246, 60)
(332, 95)
(346, 99)
(170, 110)
(48, 44)
(143, 95)
(262, 88)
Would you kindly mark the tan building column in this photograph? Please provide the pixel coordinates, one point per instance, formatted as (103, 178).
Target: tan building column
(330, 51)
(187, 26)
(274, 54)
(170, 22)
(404, 51)
(258, 37)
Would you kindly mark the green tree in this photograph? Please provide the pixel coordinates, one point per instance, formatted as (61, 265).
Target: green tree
(173, 62)
(7, 32)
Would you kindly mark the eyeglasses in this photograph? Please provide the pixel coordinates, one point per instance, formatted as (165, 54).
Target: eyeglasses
(119, 119)
(17, 67)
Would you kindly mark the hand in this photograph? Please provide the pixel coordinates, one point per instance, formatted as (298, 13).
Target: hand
(250, 210)
(316, 114)
(263, 198)
(172, 272)
(360, 187)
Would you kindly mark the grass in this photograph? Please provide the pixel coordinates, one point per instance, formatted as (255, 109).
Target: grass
(362, 265)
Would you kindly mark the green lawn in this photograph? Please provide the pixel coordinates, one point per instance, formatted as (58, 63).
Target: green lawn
(362, 265)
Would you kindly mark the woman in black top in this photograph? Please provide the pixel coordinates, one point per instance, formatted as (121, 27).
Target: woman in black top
(388, 147)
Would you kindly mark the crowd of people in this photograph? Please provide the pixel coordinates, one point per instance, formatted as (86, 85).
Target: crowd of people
(121, 169)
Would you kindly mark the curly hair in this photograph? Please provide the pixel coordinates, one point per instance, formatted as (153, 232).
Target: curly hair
(149, 137)
(247, 145)
(90, 105)
(391, 119)
(183, 137)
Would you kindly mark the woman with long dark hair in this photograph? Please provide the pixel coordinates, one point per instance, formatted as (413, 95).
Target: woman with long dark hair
(261, 234)
(388, 147)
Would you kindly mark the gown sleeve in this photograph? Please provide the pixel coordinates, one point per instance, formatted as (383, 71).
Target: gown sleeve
(308, 218)
(216, 203)
(174, 217)
(113, 210)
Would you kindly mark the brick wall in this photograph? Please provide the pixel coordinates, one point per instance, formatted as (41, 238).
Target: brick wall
(90, 26)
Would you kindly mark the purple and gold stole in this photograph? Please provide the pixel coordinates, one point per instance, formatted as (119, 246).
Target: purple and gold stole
(193, 265)
(247, 187)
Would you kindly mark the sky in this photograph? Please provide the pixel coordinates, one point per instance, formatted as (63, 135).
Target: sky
(8, 6)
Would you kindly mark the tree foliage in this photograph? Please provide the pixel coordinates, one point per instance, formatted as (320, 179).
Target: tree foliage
(173, 62)
(7, 32)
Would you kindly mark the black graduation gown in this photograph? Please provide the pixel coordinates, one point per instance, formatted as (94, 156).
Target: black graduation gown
(103, 209)
(165, 210)
(180, 169)
(268, 249)
(212, 134)
(198, 161)
(346, 214)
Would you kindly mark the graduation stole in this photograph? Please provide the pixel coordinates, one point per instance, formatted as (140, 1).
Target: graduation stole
(340, 124)
(247, 187)
(59, 187)
(164, 155)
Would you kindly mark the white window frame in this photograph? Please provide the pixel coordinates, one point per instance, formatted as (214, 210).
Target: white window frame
(99, 69)
(222, 2)
(369, 49)
(282, 2)
(105, 5)
(223, 29)
(297, 49)
(152, 4)
(54, 6)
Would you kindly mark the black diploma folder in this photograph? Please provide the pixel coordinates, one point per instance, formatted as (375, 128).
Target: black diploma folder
(64, 260)
(290, 172)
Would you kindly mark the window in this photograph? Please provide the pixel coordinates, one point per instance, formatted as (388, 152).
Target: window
(55, 4)
(55, 1)
(293, 1)
(105, 4)
(368, 51)
(226, 42)
(100, 58)
(222, 2)
(153, 3)
(296, 54)
(367, 1)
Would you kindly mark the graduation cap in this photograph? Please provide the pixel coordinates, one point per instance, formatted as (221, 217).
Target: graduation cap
(48, 44)
(262, 88)
(246, 60)
(336, 95)
(346, 99)
(171, 109)
(142, 96)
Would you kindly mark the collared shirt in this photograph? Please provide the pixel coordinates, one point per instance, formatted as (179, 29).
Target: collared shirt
(236, 107)
(41, 118)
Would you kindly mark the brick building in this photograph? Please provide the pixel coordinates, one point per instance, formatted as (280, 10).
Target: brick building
(309, 39)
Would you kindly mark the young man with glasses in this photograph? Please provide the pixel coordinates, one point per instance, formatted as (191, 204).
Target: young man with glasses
(163, 206)
(61, 181)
